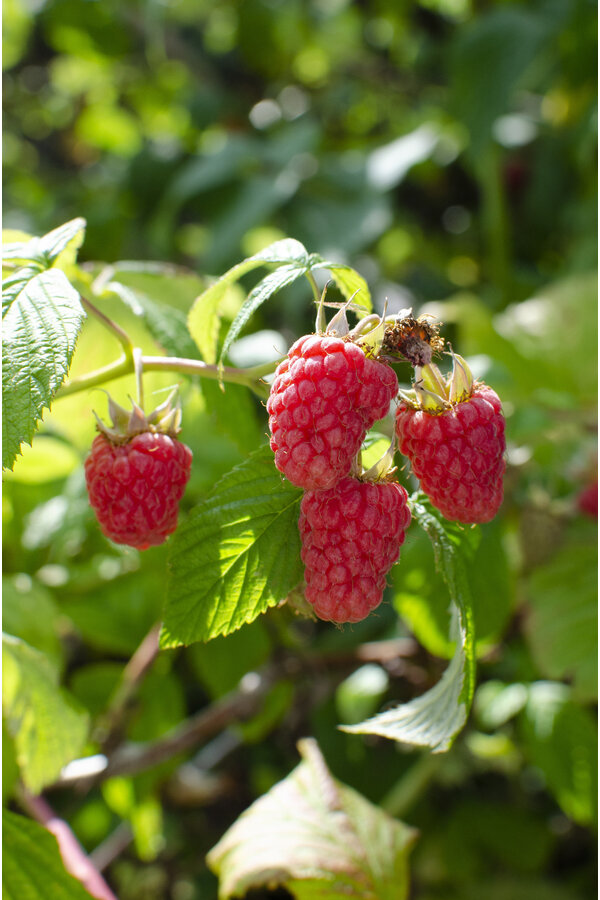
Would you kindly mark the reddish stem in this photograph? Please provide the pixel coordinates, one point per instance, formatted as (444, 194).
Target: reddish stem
(73, 856)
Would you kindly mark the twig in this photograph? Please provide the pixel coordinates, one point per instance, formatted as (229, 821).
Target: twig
(122, 336)
(73, 856)
(314, 286)
(109, 729)
(130, 759)
(250, 377)
(112, 847)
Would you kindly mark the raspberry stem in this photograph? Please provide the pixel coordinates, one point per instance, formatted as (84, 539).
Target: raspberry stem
(138, 367)
(250, 377)
(121, 335)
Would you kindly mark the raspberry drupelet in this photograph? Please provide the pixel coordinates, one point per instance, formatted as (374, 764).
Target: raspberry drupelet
(324, 398)
(351, 536)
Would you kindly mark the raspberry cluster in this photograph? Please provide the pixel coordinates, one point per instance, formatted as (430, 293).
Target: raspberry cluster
(326, 395)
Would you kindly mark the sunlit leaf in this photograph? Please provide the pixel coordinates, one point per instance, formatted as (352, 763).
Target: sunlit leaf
(48, 729)
(203, 319)
(236, 555)
(42, 316)
(32, 868)
(45, 250)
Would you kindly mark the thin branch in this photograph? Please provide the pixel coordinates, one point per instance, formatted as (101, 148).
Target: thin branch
(117, 369)
(138, 368)
(122, 336)
(131, 759)
(250, 377)
(314, 286)
(109, 730)
(73, 856)
(112, 847)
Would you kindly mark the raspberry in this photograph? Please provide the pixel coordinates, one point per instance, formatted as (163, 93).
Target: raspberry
(324, 398)
(136, 473)
(351, 536)
(587, 500)
(457, 454)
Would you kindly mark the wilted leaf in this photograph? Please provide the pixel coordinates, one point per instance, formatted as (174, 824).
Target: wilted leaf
(316, 837)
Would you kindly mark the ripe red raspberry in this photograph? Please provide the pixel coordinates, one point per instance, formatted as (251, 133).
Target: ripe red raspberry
(351, 536)
(136, 474)
(324, 398)
(457, 454)
(587, 500)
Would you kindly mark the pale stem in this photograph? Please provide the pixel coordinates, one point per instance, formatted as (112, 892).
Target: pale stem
(314, 286)
(124, 366)
(138, 368)
(73, 856)
(122, 336)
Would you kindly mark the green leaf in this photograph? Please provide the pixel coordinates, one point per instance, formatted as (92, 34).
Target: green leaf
(489, 58)
(29, 613)
(560, 738)
(48, 730)
(420, 596)
(166, 324)
(562, 622)
(318, 838)
(203, 321)
(32, 868)
(44, 251)
(347, 279)
(270, 284)
(434, 719)
(237, 554)
(42, 317)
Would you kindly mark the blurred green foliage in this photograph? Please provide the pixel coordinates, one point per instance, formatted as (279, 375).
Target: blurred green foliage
(447, 150)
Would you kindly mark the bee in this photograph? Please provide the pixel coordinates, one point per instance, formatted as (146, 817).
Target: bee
(417, 340)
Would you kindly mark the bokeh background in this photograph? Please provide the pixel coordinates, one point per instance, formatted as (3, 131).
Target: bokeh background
(446, 149)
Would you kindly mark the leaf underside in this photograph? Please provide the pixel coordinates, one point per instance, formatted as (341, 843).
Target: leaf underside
(316, 836)
(434, 719)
